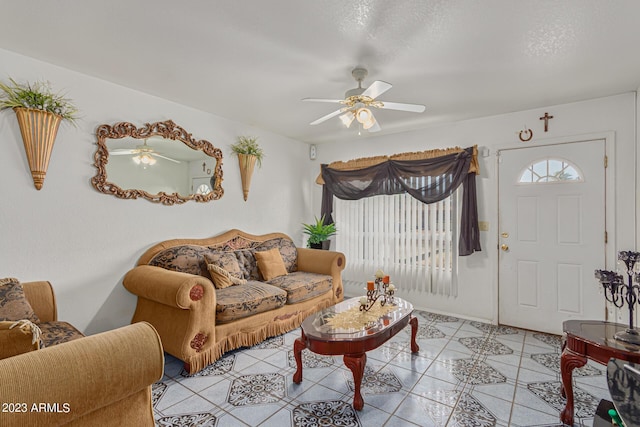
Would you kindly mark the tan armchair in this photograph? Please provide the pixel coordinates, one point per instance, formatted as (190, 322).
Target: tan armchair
(100, 380)
(17, 340)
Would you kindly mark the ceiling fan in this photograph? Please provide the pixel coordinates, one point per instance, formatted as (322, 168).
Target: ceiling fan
(143, 154)
(359, 101)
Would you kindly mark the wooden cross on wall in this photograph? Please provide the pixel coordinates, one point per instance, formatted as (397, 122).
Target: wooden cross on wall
(546, 119)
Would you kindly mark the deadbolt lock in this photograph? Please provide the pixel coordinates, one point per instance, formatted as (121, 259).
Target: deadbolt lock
(505, 235)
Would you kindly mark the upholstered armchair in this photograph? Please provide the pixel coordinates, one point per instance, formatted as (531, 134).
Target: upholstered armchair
(51, 375)
(29, 318)
(100, 380)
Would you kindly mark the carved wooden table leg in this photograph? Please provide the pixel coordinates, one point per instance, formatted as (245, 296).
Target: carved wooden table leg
(414, 331)
(299, 345)
(568, 362)
(356, 364)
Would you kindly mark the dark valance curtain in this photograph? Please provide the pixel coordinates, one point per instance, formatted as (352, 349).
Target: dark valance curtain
(428, 180)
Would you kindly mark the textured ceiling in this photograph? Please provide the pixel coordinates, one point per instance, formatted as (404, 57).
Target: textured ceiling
(253, 61)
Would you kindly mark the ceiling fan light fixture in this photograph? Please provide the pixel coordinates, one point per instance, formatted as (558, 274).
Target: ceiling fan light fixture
(347, 118)
(145, 159)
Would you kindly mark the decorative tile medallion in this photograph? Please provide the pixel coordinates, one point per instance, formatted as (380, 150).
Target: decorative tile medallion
(584, 403)
(187, 420)
(310, 360)
(437, 318)
(157, 391)
(219, 367)
(550, 340)
(470, 412)
(552, 361)
(320, 414)
(274, 342)
(257, 389)
(383, 381)
(493, 329)
(482, 345)
(476, 373)
(427, 332)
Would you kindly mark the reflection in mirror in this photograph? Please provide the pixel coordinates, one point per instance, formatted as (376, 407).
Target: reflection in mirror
(161, 162)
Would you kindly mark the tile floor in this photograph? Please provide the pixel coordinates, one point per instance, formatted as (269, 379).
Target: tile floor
(466, 374)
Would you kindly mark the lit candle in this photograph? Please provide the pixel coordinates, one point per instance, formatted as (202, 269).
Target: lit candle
(370, 285)
(392, 287)
(363, 300)
(385, 280)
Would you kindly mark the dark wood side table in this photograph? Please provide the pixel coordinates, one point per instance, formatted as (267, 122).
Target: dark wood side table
(589, 339)
(320, 337)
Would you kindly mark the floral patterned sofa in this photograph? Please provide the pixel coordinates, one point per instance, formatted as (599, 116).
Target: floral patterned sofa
(208, 296)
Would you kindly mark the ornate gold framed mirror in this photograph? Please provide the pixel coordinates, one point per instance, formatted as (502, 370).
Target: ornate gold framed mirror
(160, 162)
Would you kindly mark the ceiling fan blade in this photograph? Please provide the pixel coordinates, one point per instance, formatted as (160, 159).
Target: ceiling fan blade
(122, 152)
(167, 158)
(328, 116)
(414, 108)
(333, 101)
(376, 89)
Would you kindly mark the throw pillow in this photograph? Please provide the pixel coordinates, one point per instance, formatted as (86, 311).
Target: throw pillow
(13, 302)
(222, 278)
(270, 263)
(226, 261)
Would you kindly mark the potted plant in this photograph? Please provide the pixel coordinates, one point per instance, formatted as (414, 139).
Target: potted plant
(39, 112)
(319, 233)
(249, 153)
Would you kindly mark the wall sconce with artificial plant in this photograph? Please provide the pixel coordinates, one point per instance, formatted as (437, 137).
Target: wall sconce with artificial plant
(249, 153)
(39, 112)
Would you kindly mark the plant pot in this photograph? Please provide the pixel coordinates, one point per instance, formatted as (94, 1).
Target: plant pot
(247, 163)
(39, 129)
(324, 245)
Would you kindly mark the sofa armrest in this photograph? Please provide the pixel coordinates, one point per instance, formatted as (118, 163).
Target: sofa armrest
(83, 377)
(320, 261)
(41, 297)
(16, 340)
(180, 290)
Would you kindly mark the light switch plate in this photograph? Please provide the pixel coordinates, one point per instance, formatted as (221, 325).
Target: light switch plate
(483, 225)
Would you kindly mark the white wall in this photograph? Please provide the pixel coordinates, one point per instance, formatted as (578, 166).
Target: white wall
(478, 273)
(84, 241)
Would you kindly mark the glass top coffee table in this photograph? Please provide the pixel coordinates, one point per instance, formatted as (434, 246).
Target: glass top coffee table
(344, 330)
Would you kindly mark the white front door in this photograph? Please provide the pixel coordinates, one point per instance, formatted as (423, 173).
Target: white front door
(552, 234)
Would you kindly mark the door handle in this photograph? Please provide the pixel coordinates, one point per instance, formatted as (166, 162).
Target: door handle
(504, 247)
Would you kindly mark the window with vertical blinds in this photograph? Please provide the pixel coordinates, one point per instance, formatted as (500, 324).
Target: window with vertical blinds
(415, 243)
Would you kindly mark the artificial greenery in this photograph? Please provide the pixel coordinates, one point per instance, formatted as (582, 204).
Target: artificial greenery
(38, 96)
(248, 145)
(318, 232)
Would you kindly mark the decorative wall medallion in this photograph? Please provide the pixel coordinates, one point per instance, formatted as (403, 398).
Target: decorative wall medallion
(257, 389)
(476, 373)
(191, 420)
(219, 367)
(157, 391)
(486, 346)
(310, 360)
(383, 381)
(584, 403)
(332, 413)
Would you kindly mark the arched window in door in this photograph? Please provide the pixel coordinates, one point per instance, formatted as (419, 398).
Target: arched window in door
(550, 170)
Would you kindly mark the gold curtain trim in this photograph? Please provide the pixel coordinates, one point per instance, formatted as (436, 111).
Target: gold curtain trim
(366, 162)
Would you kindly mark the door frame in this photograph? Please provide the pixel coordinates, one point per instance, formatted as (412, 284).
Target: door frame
(609, 213)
